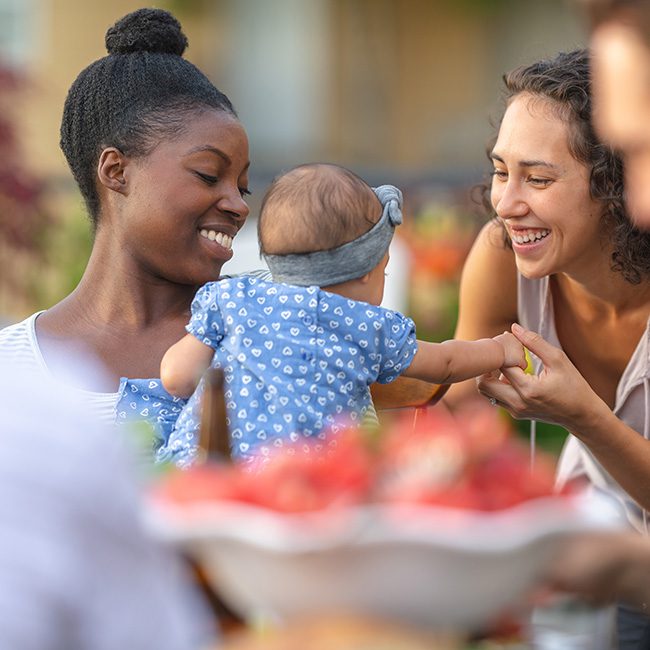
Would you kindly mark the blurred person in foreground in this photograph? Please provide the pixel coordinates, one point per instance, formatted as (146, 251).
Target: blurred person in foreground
(78, 570)
(603, 568)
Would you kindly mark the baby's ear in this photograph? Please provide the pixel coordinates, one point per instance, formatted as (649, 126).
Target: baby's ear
(364, 279)
(110, 169)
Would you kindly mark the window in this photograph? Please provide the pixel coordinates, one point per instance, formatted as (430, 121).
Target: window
(18, 36)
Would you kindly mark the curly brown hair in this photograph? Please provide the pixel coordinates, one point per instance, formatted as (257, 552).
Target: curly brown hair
(565, 79)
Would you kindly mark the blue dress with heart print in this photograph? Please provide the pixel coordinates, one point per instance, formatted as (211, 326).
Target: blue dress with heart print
(296, 361)
(147, 399)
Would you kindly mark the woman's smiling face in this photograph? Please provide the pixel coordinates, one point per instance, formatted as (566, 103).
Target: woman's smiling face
(540, 191)
(187, 200)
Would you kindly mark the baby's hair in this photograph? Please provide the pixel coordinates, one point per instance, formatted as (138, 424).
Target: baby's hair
(315, 207)
(141, 93)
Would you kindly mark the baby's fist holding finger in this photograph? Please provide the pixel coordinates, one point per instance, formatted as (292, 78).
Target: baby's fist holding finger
(514, 352)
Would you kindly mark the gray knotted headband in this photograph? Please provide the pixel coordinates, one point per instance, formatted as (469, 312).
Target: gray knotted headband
(346, 262)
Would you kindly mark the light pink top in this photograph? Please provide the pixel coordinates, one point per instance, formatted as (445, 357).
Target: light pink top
(632, 405)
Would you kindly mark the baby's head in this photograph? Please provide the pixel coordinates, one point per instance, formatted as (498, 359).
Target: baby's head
(315, 207)
(320, 224)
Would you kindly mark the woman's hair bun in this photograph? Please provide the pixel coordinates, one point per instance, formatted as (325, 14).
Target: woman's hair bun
(146, 30)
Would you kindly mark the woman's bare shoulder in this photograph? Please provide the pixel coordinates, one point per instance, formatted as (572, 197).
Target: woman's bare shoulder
(488, 288)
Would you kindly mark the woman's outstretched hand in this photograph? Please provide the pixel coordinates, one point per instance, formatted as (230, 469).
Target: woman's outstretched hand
(559, 394)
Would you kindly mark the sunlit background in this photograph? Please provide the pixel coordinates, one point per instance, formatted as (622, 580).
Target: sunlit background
(400, 91)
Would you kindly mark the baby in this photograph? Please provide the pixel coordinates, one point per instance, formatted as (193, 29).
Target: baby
(300, 353)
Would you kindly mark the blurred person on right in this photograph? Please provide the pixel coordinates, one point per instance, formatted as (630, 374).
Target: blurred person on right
(621, 76)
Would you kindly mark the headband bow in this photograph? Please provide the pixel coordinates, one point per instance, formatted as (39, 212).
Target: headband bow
(350, 260)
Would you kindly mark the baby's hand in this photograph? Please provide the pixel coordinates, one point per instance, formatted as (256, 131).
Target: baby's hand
(514, 354)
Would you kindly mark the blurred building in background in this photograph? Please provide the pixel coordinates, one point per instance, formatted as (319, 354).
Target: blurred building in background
(400, 91)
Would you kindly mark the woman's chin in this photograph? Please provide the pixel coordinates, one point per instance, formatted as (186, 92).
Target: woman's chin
(198, 276)
(530, 272)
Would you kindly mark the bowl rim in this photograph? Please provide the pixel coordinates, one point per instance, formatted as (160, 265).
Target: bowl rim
(371, 525)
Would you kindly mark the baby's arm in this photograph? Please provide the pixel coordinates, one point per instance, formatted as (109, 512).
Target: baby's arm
(184, 364)
(452, 361)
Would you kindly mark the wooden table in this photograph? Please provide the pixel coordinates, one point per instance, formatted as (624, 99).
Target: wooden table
(406, 392)
(340, 632)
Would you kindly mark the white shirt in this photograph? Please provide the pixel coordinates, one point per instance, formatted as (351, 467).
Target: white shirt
(19, 350)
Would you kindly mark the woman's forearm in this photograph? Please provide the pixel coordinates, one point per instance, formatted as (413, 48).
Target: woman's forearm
(560, 394)
(621, 450)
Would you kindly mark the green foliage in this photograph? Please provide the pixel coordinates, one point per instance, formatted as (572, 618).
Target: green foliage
(548, 437)
(23, 217)
(67, 254)
(25, 221)
(179, 7)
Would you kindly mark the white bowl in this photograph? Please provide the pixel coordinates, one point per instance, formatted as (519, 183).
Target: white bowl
(435, 568)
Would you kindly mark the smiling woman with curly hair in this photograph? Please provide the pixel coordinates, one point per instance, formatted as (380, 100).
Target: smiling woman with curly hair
(565, 81)
(573, 269)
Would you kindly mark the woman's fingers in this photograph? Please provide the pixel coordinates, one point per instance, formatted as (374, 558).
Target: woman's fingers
(516, 377)
(559, 394)
(536, 344)
(491, 386)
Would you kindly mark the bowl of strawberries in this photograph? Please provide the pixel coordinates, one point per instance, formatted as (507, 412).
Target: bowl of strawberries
(442, 523)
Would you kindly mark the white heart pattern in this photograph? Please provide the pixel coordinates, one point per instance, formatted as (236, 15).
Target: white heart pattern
(300, 370)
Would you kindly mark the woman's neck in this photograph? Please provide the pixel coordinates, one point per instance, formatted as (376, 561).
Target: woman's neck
(119, 292)
(605, 292)
(121, 316)
(136, 300)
